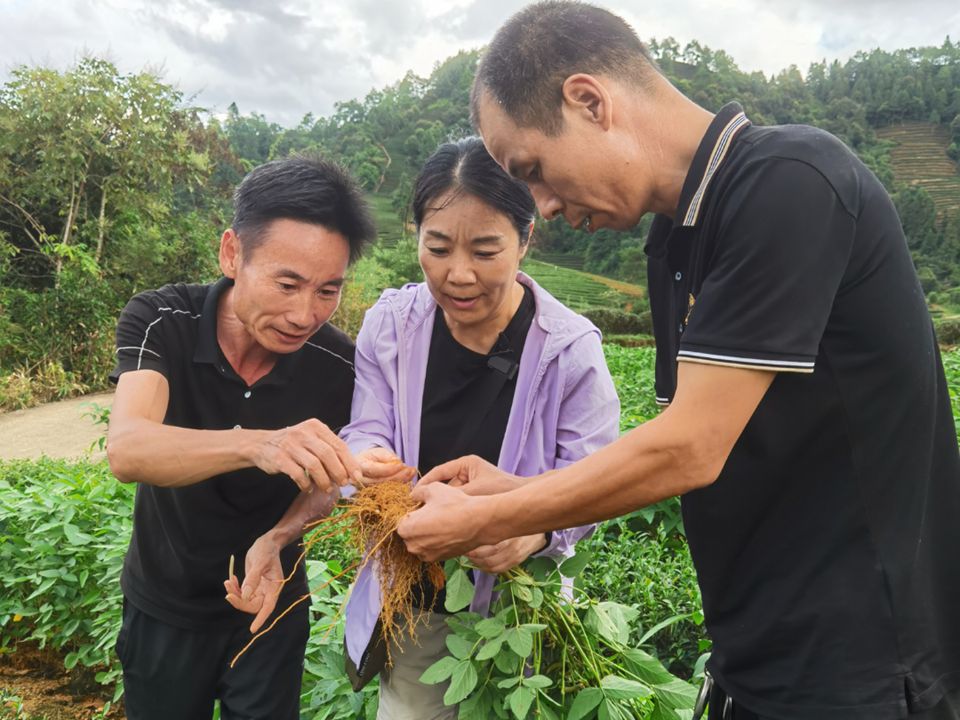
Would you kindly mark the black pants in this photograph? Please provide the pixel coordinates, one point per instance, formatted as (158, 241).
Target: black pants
(947, 709)
(174, 674)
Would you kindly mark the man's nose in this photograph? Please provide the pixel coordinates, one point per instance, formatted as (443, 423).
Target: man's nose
(304, 311)
(547, 201)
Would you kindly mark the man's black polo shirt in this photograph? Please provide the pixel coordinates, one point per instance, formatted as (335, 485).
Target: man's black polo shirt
(183, 537)
(827, 550)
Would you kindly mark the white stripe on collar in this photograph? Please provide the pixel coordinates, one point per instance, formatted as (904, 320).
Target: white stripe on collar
(736, 124)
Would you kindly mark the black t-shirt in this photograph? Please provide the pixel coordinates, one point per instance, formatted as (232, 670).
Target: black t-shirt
(183, 537)
(467, 398)
(467, 395)
(827, 548)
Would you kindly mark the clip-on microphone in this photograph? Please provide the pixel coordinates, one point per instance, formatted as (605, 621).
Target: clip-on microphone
(504, 365)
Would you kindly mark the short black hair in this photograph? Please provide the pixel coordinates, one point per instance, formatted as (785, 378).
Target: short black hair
(305, 188)
(537, 49)
(466, 166)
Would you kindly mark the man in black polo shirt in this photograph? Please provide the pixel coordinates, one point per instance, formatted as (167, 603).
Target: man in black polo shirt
(227, 403)
(809, 426)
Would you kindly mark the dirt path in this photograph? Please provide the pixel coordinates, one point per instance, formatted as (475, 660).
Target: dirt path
(57, 429)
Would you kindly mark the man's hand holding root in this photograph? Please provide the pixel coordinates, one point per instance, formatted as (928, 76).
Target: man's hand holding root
(449, 523)
(456, 518)
(473, 475)
(262, 582)
(506, 554)
(310, 453)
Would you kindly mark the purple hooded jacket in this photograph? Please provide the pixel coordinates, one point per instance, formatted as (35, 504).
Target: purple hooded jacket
(564, 408)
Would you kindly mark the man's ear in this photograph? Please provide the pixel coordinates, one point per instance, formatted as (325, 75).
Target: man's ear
(229, 253)
(589, 97)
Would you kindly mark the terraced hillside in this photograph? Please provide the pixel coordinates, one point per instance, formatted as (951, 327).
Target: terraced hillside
(579, 290)
(919, 158)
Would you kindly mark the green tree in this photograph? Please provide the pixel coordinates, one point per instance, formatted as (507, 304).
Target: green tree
(105, 188)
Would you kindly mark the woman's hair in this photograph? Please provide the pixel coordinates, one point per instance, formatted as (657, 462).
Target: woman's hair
(465, 166)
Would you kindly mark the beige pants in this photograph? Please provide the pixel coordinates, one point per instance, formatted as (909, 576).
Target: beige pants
(402, 695)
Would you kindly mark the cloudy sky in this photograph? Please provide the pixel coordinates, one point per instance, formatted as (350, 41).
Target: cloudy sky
(285, 58)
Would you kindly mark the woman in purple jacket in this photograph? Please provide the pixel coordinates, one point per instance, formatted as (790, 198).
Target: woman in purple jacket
(479, 359)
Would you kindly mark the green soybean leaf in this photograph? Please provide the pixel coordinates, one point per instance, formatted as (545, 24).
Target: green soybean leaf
(541, 567)
(537, 681)
(506, 662)
(662, 712)
(520, 701)
(459, 591)
(462, 683)
(646, 667)
(508, 683)
(439, 671)
(611, 621)
(490, 648)
(490, 628)
(520, 641)
(459, 647)
(621, 688)
(536, 599)
(547, 713)
(676, 694)
(523, 592)
(573, 566)
(584, 704)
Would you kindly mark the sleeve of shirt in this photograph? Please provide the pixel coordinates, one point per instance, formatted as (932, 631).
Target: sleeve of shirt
(372, 418)
(589, 420)
(140, 336)
(775, 270)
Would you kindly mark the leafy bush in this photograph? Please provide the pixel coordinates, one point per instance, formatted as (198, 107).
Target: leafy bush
(399, 261)
(326, 692)
(63, 536)
(618, 322)
(26, 386)
(948, 330)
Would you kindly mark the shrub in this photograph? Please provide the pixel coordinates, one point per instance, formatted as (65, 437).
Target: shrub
(618, 322)
(948, 330)
(63, 536)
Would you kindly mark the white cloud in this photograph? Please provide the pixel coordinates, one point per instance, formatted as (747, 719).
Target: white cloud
(289, 57)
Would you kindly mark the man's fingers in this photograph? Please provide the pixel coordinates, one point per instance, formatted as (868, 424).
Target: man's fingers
(296, 472)
(311, 469)
(269, 603)
(484, 552)
(342, 467)
(232, 585)
(238, 603)
(250, 584)
(445, 472)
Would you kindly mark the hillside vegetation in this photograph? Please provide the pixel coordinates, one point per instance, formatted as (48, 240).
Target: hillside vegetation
(112, 183)
(919, 159)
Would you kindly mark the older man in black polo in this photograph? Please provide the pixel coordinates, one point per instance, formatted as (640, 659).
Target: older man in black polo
(809, 424)
(228, 397)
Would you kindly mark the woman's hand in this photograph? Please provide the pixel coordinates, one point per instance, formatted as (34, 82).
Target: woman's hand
(381, 465)
(507, 554)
